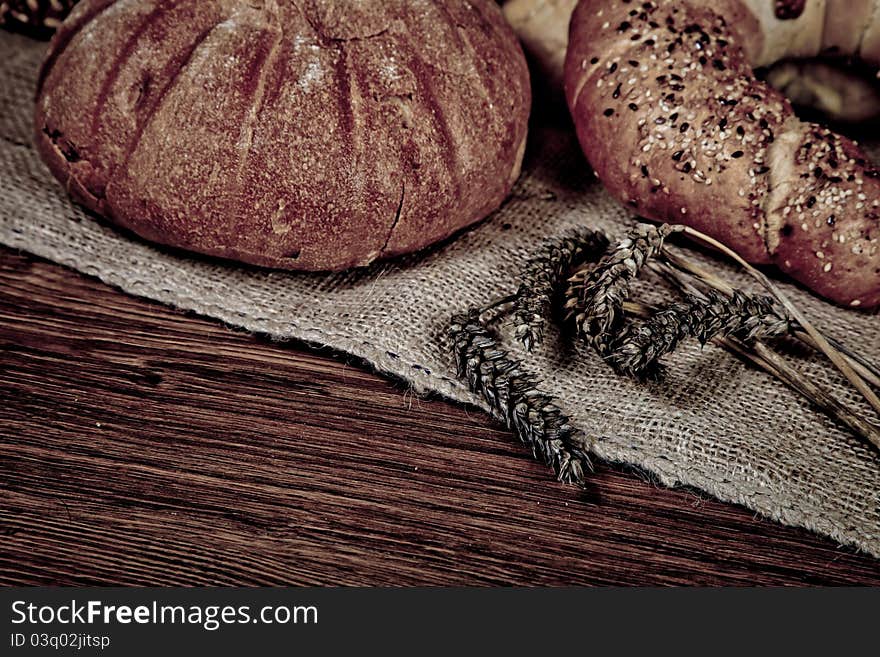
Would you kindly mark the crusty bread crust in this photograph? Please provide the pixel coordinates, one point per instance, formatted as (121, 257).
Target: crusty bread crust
(674, 122)
(312, 134)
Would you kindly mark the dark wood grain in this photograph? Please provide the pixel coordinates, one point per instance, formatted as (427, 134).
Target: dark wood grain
(140, 445)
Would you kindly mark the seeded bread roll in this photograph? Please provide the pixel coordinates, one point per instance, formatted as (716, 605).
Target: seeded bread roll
(312, 135)
(826, 83)
(38, 17)
(834, 90)
(674, 122)
(543, 27)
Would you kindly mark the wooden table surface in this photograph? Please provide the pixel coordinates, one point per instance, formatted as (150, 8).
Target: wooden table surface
(141, 445)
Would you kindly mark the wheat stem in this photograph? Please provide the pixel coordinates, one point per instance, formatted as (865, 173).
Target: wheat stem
(868, 371)
(823, 345)
(765, 358)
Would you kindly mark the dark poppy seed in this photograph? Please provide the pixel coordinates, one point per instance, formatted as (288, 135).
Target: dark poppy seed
(677, 155)
(737, 154)
(644, 171)
(673, 117)
(718, 64)
(595, 60)
(624, 26)
(684, 127)
(687, 167)
(722, 123)
(811, 201)
(763, 123)
(633, 106)
(633, 63)
(616, 93)
(740, 130)
(817, 172)
(608, 112)
(612, 68)
(635, 37)
(830, 220)
(762, 169)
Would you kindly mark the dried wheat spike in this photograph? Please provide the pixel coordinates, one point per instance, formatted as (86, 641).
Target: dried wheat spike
(543, 276)
(746, 317)
(595, 297)
(515, 399)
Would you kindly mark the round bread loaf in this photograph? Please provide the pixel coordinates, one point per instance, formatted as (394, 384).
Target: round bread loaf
(312, 135)
(675, 124)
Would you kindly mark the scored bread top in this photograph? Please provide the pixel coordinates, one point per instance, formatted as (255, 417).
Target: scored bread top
(317, 135)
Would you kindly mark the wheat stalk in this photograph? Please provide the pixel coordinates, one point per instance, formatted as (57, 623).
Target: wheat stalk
(639, 347)
(514, 397)
(543, 276)
(823, 345)
(595, 296)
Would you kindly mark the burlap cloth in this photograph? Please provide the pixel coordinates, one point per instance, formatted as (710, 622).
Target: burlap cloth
(712, 423)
